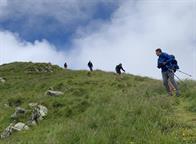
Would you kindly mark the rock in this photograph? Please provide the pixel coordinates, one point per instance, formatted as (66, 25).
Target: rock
(40, 68)
(32, 123)
(2, 80)
(13, 127)
(54, 93)
(8, 131)
(20, 126)
(38, 114)
(18, 112)
(43, 110)
(33, 104)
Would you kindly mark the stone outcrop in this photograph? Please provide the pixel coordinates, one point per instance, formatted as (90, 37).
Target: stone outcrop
(54, 93)
(18, 112)
(39, 112)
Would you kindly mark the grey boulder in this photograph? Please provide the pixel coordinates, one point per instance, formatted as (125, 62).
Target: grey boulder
(13, 127)
(38, 114)
(2, 80)
(8, 131)
(54, 93)
(20, 126)
(18, 112)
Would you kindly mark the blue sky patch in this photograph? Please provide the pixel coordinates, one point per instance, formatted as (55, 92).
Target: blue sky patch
(38, 27)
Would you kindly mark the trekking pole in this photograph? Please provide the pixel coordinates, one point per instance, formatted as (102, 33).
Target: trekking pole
(184, 73)
(180, 80)
(175, 75)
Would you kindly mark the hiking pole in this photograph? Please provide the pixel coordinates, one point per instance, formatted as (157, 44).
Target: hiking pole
(175, 75)
(184, 73)
(180, 80)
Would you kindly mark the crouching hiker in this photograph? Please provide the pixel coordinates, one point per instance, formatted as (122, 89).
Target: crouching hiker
(119, 68)
(168, 67)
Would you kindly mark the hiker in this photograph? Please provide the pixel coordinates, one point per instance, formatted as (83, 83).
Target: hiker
(90, 65)
(119, 68)
(65, 65)
(168, 68)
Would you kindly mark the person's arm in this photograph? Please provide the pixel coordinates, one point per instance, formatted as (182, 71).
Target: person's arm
(122, 69)
(159, 64)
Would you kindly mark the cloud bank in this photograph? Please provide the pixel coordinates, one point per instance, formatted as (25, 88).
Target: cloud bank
(136, 30)
(12, 48)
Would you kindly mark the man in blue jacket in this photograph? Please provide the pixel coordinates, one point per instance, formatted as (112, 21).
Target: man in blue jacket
(165, 64)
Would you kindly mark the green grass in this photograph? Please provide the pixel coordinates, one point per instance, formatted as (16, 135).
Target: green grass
(97, 108)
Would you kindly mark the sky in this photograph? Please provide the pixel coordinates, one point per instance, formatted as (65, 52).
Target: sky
(107, 32)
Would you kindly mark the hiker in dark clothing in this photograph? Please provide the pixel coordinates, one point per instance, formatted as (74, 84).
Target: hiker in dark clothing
(65, 65)
(90, 65)
(165, 63)
(119, 68)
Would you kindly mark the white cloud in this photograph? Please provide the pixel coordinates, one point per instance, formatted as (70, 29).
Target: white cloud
(136, 30)
(12, 48)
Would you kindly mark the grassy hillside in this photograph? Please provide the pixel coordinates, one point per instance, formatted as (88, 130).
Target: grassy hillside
(97, 108)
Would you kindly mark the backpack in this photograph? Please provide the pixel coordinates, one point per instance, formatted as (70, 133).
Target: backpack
(174, 63)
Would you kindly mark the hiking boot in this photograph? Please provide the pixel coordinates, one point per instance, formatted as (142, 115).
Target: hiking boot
(177, 94)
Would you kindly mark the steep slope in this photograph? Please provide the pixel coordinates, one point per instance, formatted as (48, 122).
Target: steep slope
(96, 108)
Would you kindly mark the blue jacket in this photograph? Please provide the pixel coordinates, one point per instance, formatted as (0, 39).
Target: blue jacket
(164, 57)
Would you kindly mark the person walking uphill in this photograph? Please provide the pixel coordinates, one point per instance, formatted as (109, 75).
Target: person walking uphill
(90, 65)
(65, 65)
(165, 63)
(119, 68)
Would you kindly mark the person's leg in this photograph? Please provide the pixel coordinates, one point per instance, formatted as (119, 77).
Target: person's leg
(118, 72)
(174, 83)
(171, 85)
(165, 82)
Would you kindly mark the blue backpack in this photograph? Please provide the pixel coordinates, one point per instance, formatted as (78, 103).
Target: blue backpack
(174, 64)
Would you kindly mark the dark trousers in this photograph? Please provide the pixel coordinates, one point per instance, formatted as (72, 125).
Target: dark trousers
(169, 75)
(91, 68)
